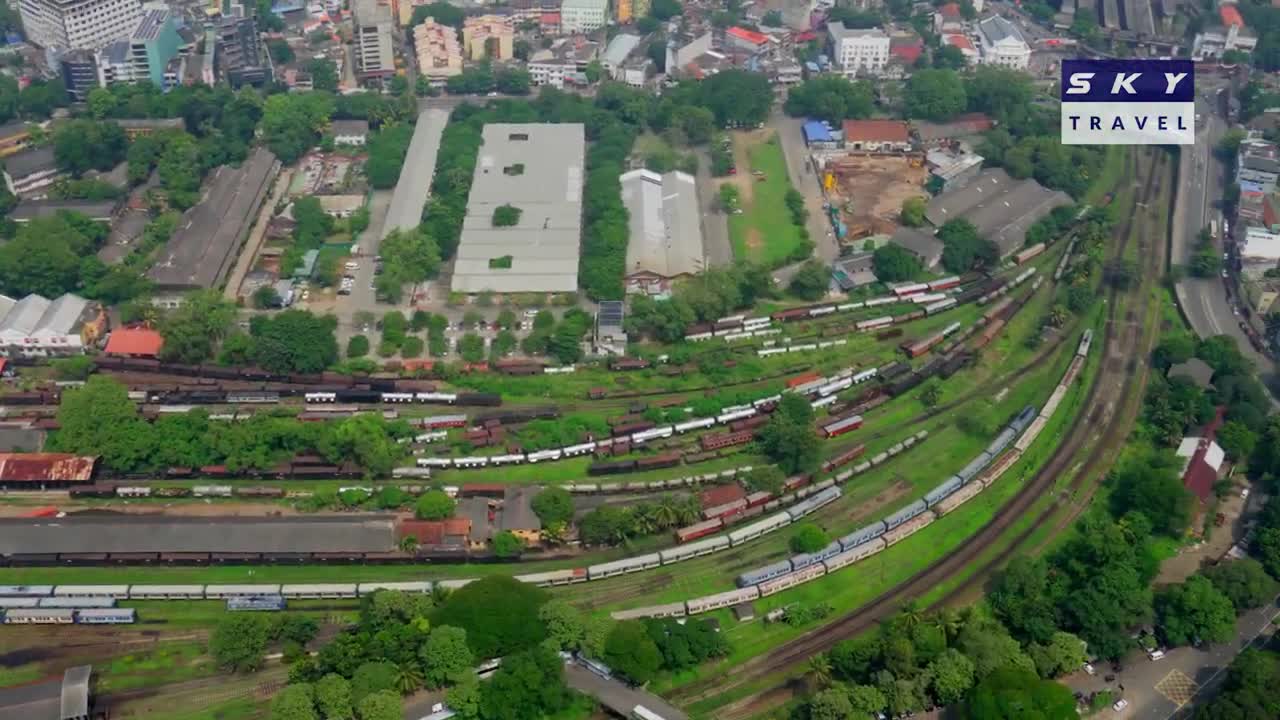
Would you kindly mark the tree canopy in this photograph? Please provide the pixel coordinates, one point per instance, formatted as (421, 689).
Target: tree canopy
(832, 98)
(498, 613)
(893, 263)
(788, 438)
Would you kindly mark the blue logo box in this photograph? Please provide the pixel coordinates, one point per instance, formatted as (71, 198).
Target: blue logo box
(1127, 81)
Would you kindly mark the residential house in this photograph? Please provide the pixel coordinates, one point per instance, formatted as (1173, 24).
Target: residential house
(490, 37)
(877, 136)
(349, 132)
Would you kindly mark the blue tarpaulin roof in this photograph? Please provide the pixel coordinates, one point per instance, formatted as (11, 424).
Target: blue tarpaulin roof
(815, 131)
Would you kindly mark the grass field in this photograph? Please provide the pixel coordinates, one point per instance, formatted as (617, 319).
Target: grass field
(764, 231)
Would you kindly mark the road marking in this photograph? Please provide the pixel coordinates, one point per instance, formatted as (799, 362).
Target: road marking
(1177, 687)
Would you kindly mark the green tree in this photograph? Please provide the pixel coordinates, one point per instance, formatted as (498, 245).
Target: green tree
(434, 505)
(788, 438)
(630, 652)
(1195, 610)
(831, 704)
(500, 615)
(952, 675)
(265, 297)
(766, 478)
(441, 11)
(936, 95)
(239, 641)
(357, 346)
(99, 419)
(962, 248)
(294, 702)
(445, 655)
(292, 122)
(464, 697)
(552, 505)
(893, 263)
(333, 697)
(811, 281)
(867, 699)
(191, 330)
(1063, 654)
(808, 538)
(506, 545)
(1016, 693)
(832, 98)
(529, 684)
(83, 145)
(1245, 583)
(381, 705)
(372, 677)
(565, 624)
(294, 341)
(912, 212)
(1151, 485)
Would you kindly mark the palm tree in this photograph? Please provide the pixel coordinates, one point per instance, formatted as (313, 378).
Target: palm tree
(820, 670)
(409, 544)
(666, 512)
(689, 510)
(643, 515)
(949, 620)
(910, 616)
(409, 679)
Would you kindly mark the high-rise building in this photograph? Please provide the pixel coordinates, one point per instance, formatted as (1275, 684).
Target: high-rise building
(371, 39)
(152, 45)
(79, 70)
(580, 16)
(238, 53)
(78, 24)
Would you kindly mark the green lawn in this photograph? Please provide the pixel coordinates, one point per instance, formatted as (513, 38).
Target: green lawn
(764, 231)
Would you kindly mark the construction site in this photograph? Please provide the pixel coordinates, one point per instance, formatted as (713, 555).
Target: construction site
(865, 192)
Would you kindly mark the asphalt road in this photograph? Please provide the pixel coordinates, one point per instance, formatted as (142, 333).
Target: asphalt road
(1206, 301)
(807, 182)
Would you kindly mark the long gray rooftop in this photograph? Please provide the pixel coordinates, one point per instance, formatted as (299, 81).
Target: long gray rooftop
(537, 168)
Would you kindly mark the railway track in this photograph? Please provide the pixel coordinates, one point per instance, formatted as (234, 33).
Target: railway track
(1115, 379)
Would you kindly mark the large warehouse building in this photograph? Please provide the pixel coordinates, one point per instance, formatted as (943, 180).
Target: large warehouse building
(537, 169)
(1000, 207)
(666, 230)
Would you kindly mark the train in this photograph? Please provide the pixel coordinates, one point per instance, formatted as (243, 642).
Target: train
(68, 616)
(957, 489)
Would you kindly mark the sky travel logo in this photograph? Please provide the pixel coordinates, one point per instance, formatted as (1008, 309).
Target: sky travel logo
(1128, 102)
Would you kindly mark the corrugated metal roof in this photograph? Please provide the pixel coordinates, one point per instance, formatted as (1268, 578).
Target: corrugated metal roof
(62, 315)
(75, 691)
(46, 467)
(996, 29)
(24, 317)
(665, 227)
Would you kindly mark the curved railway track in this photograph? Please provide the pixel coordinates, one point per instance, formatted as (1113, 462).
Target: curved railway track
(1115, 379)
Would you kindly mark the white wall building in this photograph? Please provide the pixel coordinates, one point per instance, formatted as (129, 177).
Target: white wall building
(1260, 251)
(1002, 44)
(580, 16)
(859, 52)
(37, 327)
(78, 24)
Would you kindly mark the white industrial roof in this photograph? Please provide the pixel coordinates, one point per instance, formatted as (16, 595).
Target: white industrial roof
(666, 233)
(547, 189)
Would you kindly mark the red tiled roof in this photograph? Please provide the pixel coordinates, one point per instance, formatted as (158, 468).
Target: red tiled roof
(960, 41)
(46, 467)
(908, 53)
(1230, 15)
(1270, 216)
(875, 130)
(1200, 476)
(722, 494)
(950, 10)
(434, 532)
(749, 35)
(134, 341)
(552, 18)
(805, 36)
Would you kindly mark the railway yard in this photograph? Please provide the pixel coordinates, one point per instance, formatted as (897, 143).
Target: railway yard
(948, 442)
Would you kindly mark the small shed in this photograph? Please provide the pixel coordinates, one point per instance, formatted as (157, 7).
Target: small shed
(817, 132)
(744, 612)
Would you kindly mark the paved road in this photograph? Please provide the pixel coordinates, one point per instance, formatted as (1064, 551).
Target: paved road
(258, 235)
(615, 695)
(715, 224)
(1206, 301)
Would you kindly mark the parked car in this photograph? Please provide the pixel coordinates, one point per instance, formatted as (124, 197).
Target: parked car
(1120, 705)
(1156, 654)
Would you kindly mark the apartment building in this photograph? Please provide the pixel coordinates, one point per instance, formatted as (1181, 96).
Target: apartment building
(78, 24)
(145, 55)
(564, 62)
(1258, 163)
(580, 16)
(438, 51)
(488, 37)
(372, 25)
(238, 53)
(857, 51)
